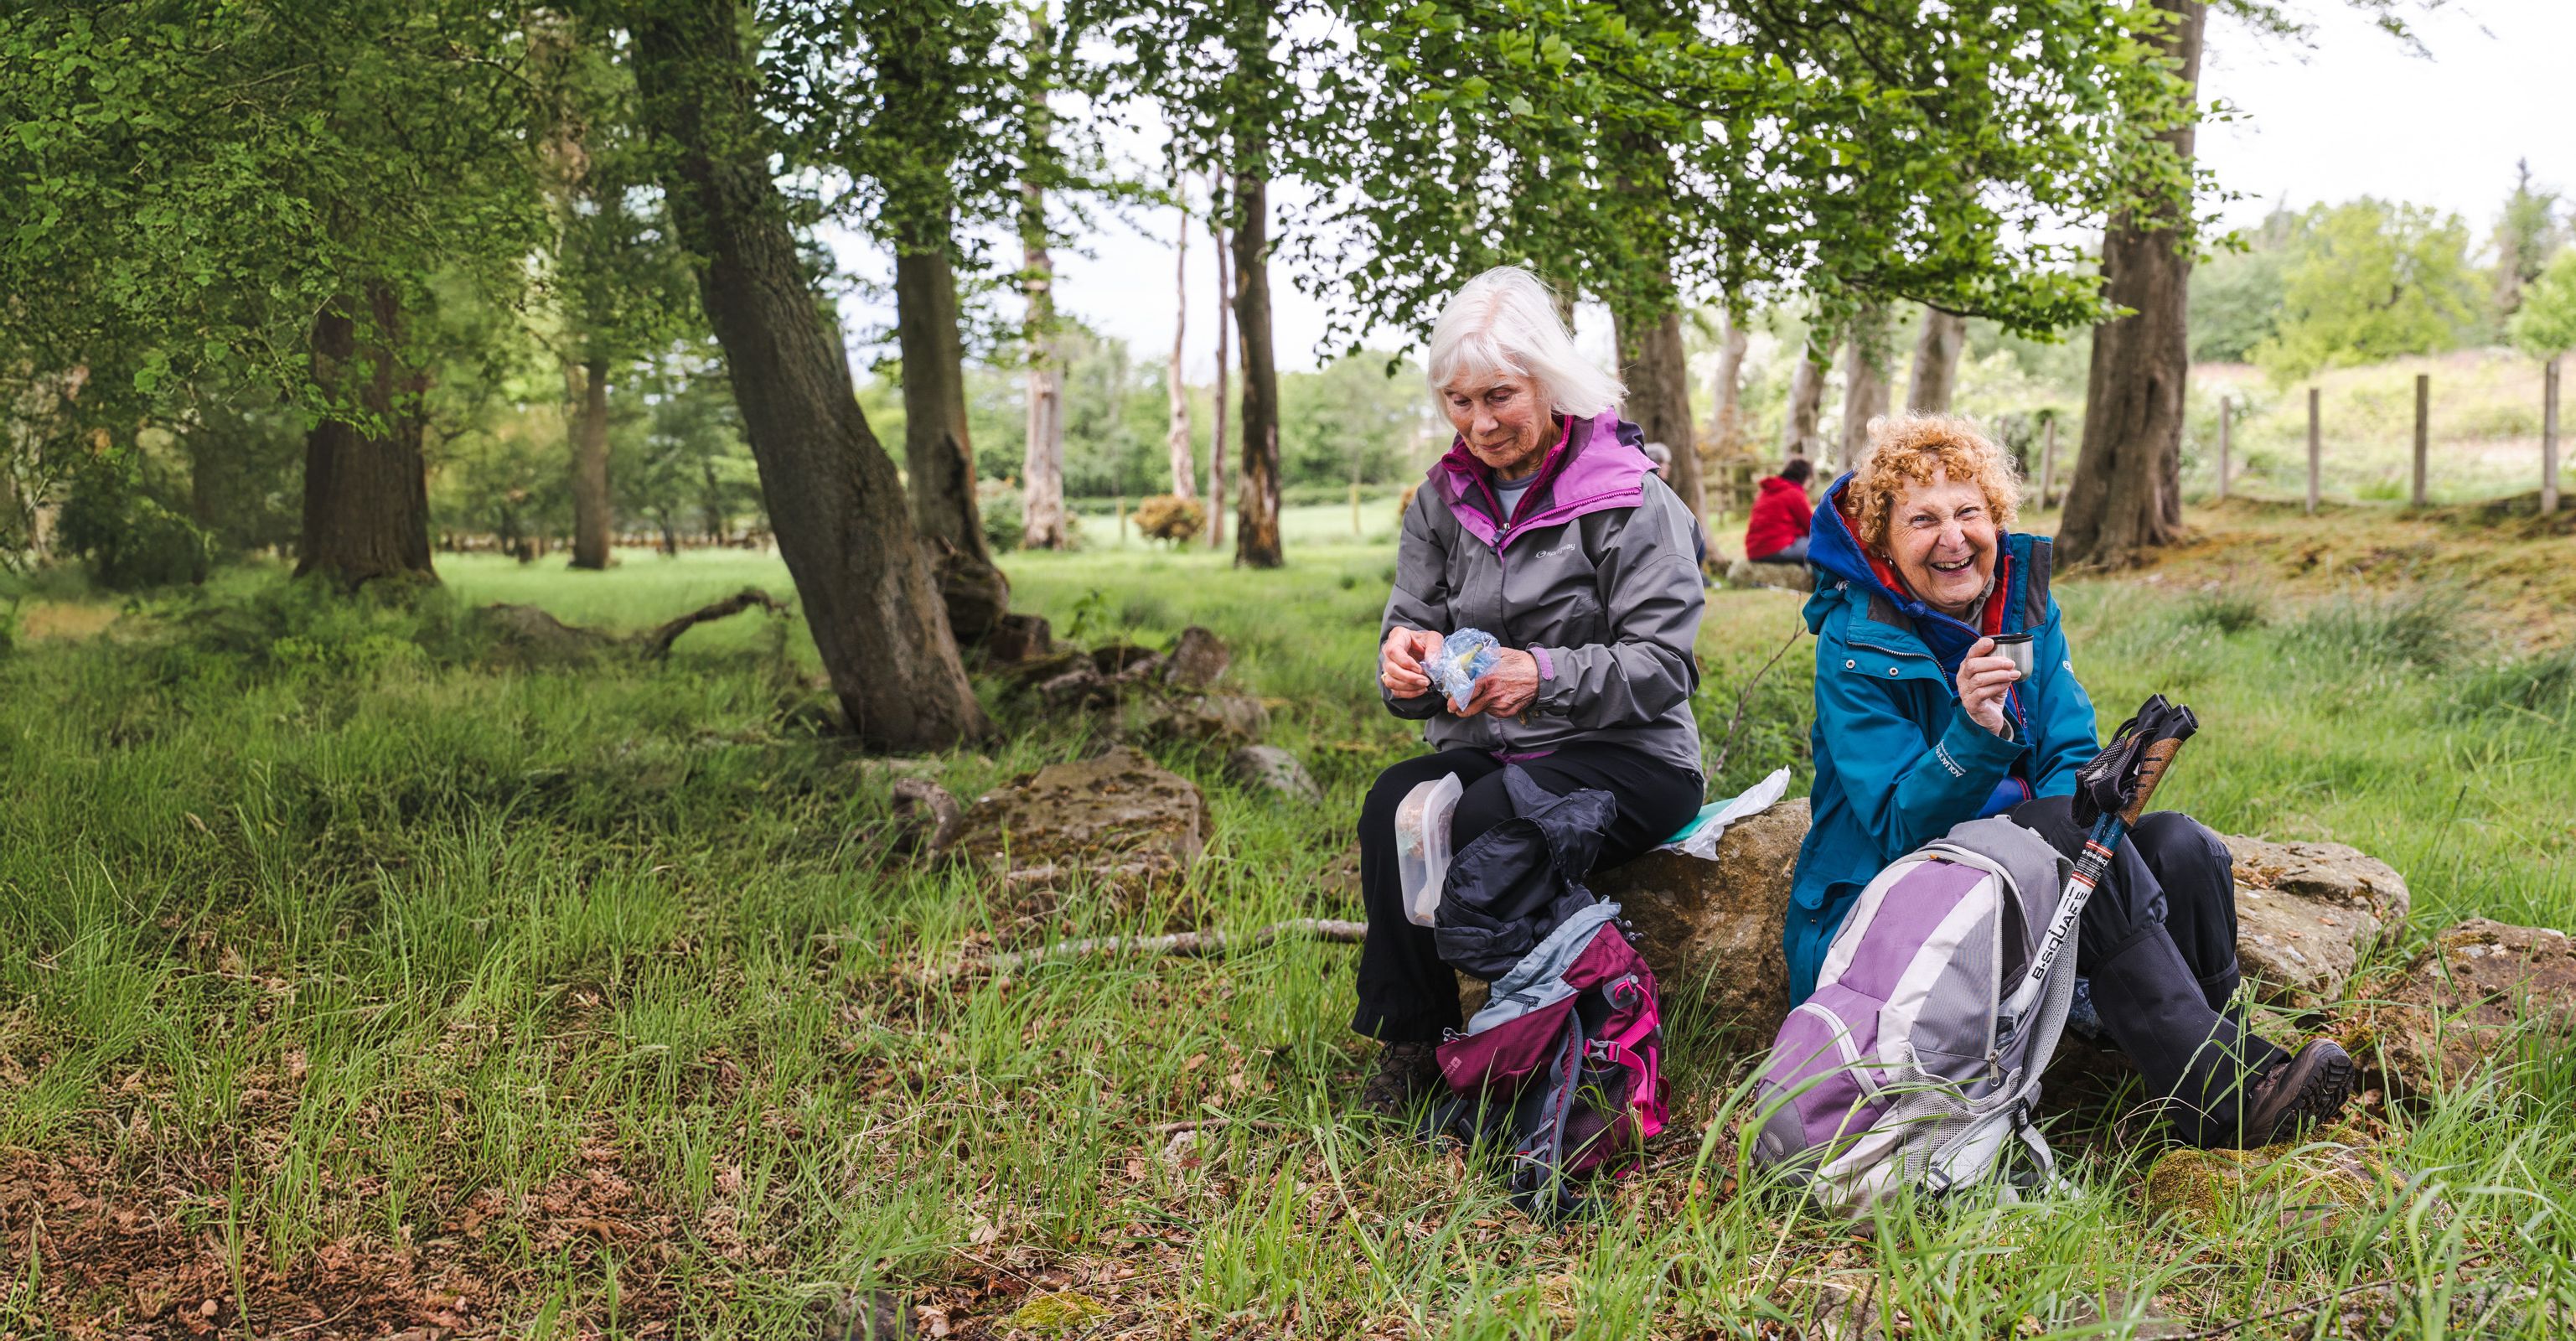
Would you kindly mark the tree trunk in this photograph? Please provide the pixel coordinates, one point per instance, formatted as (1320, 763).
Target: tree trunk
(366, 496)
(1657, 371)
(1177, 439)
(1224, 366)
(1726, 387)
(1864, 383)
(1042, 459)
(2126, 497)
(1256, 537)
(1936, 362)
(590, 512)
(833, 499)
(939, 457)
(1798, 435)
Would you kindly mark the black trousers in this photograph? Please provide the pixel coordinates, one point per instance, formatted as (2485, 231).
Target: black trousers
(1406, 994)
(2158, 941)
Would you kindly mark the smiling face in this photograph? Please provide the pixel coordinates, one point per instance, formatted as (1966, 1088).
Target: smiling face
(1502, 419)
(1941, 539)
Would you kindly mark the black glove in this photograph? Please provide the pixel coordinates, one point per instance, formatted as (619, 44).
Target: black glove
(2109, 784)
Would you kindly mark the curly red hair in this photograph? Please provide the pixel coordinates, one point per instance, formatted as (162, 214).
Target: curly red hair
(1909, 449)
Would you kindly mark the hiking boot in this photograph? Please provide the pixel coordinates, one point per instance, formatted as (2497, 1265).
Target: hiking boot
(1405, 1072)
(2309, 1089)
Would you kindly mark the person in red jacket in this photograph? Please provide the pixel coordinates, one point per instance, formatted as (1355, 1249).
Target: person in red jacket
(1781, 515)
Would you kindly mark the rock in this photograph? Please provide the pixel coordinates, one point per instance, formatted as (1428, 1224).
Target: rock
(2314, 1184)
(1018, 638)
(2464, 999)
(2298, 951)
(1196, 659)
(1786, 576)
(2324, 872)
(1116, 659)
(1204, 719)
(1077, 688)
(1121, 809)
(1712, 928)
(922, 818)
(1270, 768)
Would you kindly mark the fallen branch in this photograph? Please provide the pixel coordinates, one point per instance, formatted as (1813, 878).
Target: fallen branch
(1727, 745)
(1190, 943)
(657, 642)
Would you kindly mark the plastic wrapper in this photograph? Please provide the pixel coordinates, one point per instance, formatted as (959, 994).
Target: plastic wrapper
(1422, 845)
(1463, 659)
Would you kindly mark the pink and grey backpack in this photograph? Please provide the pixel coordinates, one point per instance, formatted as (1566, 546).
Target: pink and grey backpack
(1561, 1073)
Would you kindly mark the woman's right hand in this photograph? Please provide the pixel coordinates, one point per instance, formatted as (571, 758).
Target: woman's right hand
(1399, 662)
(1984, 679)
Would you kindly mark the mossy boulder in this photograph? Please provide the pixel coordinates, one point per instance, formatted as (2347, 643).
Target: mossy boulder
(2317, 1184)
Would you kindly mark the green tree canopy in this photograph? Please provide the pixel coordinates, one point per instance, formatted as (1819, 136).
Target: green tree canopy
(2546, 323)
(2369, 280)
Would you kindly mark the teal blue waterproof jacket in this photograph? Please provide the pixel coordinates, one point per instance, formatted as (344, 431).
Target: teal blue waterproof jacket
(1898, 761)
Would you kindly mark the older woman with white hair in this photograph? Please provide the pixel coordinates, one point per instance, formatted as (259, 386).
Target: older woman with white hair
(1546, 526)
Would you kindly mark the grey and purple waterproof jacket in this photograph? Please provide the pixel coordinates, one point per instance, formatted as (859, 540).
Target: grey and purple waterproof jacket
(1592, 576)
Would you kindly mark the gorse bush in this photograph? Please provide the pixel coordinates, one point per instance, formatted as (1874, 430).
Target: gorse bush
(1170, 517)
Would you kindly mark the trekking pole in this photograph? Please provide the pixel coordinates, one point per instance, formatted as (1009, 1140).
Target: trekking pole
(2116, 786)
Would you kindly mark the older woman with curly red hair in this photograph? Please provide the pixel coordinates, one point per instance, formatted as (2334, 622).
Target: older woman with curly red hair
(1921, 725)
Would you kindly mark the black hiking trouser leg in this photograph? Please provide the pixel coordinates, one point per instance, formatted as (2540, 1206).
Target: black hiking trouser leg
(1406, 993)
(2158, 940)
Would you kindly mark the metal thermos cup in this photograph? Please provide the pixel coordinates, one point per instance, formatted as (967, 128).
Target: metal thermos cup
(2015, 647)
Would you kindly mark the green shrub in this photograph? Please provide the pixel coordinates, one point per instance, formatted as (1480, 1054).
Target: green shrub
(128, 539)
(1170, 517)
(2542, 685)
(999, 505)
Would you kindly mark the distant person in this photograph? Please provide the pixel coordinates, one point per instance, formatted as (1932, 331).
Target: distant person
(1921, 725)
(1662, 456)
(1546, 526)
(1777, 531)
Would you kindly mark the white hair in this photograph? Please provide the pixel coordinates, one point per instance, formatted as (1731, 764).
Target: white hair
(1504, 321)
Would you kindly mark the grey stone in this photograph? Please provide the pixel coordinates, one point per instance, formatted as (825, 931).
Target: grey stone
(1119, 810)
(1273, 769)
(1197, 658)
(1203, 719)
(2298, 952)
(1784, 576)
(1018, 638)
(1711, 928)
(2325, 872)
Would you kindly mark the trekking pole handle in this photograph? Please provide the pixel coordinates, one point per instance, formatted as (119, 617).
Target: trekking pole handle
(2151, 770)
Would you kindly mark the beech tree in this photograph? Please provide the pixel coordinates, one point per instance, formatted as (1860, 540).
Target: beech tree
(236, 200)
(834, 500)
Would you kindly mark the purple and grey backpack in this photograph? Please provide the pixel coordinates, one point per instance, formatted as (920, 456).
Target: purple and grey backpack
(1917, 1061)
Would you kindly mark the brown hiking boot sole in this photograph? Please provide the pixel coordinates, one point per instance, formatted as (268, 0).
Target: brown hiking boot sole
(2316, 1083)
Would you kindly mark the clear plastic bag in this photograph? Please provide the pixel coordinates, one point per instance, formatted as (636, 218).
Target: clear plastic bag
(1422, 845)
(1463, 659)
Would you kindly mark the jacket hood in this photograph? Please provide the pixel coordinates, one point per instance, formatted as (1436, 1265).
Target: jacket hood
(1596, 464)
(1835, 550)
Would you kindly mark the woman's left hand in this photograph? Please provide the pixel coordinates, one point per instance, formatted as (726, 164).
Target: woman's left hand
(1507, 689)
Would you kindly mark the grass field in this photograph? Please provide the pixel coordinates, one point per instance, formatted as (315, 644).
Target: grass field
(351, 983)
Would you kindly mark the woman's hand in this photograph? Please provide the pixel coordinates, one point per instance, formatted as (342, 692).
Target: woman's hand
(1399, 662)
(1507, 689)
(1984, 679)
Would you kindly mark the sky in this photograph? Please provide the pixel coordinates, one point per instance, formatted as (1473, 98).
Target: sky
(2351, 112)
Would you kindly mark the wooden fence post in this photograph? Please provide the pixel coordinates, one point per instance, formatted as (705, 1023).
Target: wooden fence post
(2047, 460)
(2423, 429)
(2226, 412)
(1122, 521)
(2312, 451)
(2549, 437)
(1355, 509)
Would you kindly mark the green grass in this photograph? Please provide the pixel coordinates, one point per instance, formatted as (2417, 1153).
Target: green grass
(338, 957)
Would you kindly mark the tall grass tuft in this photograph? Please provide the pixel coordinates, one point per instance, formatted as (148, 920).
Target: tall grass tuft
(2423, 626)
